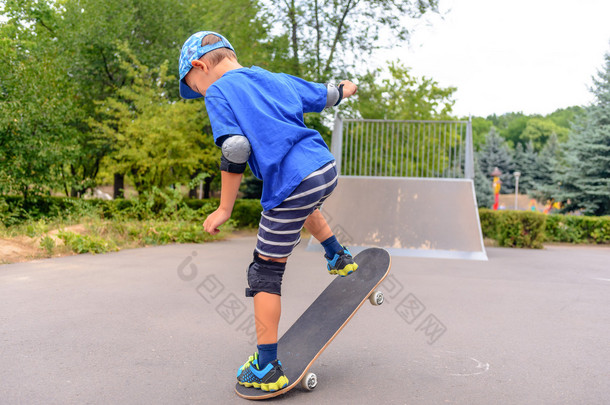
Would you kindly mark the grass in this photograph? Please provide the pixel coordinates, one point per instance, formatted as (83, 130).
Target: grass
(95, 235)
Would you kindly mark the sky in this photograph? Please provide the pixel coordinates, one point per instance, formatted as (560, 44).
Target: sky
(530, 56)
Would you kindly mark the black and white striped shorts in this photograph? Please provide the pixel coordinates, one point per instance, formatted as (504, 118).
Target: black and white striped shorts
(279, 230)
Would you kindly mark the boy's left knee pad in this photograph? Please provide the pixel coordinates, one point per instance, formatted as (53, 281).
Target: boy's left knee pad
(265, 276)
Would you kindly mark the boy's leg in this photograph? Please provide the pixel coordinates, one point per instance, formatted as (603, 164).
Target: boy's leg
(263, 370)
(317, 226)
(267, 311)
(340, 260)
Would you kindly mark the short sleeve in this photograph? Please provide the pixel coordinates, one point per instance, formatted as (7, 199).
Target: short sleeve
(313, 95)
(222, 117)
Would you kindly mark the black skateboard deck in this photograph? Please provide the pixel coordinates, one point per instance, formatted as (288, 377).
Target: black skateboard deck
(307, 338)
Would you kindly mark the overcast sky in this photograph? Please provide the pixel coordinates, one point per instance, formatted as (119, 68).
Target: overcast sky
(533, 56)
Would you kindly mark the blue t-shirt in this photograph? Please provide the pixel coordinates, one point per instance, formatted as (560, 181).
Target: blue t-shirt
(268, 109)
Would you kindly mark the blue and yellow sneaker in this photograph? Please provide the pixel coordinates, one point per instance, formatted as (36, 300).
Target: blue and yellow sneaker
(271, 378)
(342, 263)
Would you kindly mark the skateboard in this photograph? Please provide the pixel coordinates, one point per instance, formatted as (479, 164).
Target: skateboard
(307, 338)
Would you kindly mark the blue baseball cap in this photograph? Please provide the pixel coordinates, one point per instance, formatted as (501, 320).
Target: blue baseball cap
(192, 50)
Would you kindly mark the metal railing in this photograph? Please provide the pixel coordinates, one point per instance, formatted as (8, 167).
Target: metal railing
(403, 148)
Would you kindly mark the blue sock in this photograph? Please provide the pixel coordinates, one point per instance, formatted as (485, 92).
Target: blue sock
(266, 354)
(332, 246)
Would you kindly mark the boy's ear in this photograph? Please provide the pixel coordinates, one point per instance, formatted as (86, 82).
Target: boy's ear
(200, 65)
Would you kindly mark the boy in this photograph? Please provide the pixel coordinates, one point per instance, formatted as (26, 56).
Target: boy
(257, 118)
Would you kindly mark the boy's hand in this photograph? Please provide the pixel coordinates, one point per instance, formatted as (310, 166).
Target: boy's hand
(214, 220)
(349, 88)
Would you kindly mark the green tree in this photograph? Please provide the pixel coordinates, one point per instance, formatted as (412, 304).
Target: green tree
(157, 142)
(480, 129)
(526, 162)
(38, 112)
(585, 179)
(547, 166)
(483, 187)
(539, 131)
(496, 153)
(564, 117)
(82, 37)
(401, 96)
(322, 33)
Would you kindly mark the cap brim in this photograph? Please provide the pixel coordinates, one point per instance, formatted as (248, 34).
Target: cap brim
(187, 93)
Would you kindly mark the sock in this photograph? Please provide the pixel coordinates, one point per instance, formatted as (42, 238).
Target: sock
(266, 354)
(332, 246)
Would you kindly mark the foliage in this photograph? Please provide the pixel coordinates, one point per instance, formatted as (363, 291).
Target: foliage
(513, 228)
(321, 34)
(557, 228)
(483, 187)
(547, 165)
(16, 210)
(577, 229)
(585, 176)
(526, 162)
(496, 153)
(510, 126)
(85, 243)
(38, 112)
(48, 244)
(539, 131)
(401, 96)
(156, 141)
(480, 129)
(64, 57)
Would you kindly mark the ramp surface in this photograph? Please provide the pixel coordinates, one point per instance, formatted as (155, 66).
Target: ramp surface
(435, 218)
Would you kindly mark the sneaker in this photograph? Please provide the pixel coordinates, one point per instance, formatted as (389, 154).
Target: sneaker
(342, 263)
(271, 378)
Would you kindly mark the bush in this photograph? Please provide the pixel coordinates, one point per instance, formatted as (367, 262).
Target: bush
(14, 210)
(578, 229)
(489, 222)
(513, 228)
(85, 243)
(247, 213)
(521, 228)
(48, 244)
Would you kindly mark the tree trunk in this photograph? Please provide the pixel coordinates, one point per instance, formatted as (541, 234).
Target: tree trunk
(206, 186)
(193, 193)
(292, 16)
(119, 186)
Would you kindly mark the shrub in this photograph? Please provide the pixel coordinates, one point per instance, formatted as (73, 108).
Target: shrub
(513, 228)
(520, 229)
(489, 223)
(85, 243)
(578, 229)
(247, 213)
(48, 244)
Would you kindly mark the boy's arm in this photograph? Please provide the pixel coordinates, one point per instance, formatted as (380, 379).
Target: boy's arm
(335, 94)
(235, 153)
(228, 194)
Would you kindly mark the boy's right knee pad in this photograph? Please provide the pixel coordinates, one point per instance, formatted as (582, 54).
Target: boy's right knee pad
(265, 276)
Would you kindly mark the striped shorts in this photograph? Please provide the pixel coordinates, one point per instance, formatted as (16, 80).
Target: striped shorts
(279, 230)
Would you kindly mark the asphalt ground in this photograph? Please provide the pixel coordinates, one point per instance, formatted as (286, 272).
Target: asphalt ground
(170, 325)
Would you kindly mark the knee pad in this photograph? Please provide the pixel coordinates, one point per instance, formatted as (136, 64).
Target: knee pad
(264, 276)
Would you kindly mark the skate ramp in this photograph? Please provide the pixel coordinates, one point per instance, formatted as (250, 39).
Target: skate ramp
(435, 218)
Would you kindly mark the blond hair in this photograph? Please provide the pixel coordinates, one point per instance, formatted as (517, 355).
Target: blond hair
(217, 55)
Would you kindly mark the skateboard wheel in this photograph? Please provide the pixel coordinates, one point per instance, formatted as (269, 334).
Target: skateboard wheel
(309, 382)
(376, 298)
